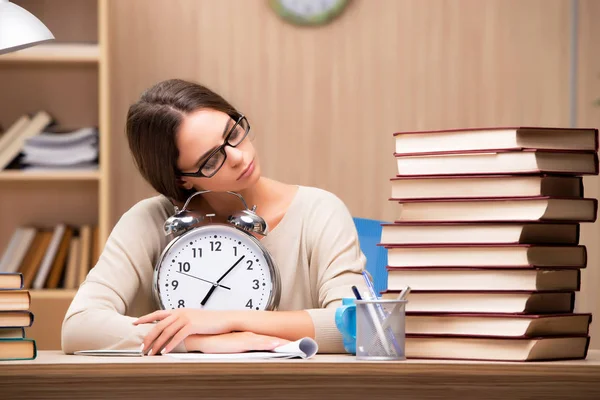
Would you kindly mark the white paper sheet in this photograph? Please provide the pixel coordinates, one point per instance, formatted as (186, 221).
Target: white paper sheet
(302, 348)
(115, 353)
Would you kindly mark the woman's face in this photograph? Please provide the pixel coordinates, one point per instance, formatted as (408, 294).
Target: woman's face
(200, 133)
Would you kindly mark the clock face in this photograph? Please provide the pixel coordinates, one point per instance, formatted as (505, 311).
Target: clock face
(215, 267)
(308, 12)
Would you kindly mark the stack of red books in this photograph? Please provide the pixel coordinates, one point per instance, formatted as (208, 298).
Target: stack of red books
(487, 237)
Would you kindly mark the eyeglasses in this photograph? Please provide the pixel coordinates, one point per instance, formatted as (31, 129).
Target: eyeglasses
(216, 158)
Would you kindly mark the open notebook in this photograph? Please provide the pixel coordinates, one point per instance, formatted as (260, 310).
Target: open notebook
(302, 348)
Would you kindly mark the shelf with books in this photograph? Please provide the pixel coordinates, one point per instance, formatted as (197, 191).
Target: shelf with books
(68, 80)
(58, 52)
(18, 175)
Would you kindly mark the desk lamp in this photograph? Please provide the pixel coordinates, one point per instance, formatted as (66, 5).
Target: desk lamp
(19, 28)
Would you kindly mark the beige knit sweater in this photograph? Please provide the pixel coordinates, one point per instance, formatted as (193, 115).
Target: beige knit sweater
(315, 247)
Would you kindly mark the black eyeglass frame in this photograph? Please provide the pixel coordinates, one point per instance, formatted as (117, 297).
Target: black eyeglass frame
(221, 148)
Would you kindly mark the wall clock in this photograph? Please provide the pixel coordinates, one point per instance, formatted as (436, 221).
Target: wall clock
(308, 12)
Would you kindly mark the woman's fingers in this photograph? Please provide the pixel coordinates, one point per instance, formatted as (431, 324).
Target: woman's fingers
(155, 316)
(156, 331)
(174, 328)
(177, 338)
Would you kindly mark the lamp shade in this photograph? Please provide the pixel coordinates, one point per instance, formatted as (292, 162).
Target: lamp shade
(19, 28)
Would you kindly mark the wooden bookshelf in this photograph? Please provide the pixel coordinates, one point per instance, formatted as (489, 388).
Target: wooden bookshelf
(68, 78)
(49, 176)
(56, 53)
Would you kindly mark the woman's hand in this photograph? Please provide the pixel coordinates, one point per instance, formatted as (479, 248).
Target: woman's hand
(235, 342)
(175, 325)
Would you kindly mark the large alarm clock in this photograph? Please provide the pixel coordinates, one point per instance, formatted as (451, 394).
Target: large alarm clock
(216, 266)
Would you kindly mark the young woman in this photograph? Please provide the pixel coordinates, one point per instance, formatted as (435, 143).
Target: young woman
(186, 138)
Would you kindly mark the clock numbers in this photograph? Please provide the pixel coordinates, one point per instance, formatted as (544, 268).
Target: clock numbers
(215, 246)
(184, 266)
(229, 272)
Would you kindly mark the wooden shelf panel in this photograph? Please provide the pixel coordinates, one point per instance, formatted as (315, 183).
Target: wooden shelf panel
(56, 52)
(17, 175)
(50, 294)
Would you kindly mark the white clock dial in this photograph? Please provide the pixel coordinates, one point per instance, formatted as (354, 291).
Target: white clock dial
(214, 267)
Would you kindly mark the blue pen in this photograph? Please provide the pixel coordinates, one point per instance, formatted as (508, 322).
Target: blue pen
(379, 309)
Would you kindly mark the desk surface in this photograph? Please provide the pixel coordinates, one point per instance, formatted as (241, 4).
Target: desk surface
(55, 375)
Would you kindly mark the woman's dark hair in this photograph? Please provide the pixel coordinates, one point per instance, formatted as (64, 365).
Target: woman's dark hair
(152, 124)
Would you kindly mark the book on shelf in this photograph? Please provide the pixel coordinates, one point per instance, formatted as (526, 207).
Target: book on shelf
(17, 247)
(496, 138)
(497, 348)
(13, 148)
(550, 209)
(484, 279)
(477, 186)
(516, 302)
(497, 325)
(503, 232)
(59, 260)
(486, 255)
(58, 257)
(499, 162)
(13, 132)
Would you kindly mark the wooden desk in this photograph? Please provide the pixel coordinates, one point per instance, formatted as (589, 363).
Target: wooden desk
(54, 375)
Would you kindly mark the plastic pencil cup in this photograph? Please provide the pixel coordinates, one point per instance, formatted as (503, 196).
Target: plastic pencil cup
(380, 330)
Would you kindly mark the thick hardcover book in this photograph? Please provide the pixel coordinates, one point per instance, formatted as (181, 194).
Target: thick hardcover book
(484, 186)
(13, 300)
(499, 232)
(486, 255)
(458, 301)
(550, 209)
(497, 349)
(498, 162)
(12, 333)
(17, 349)
(500, 325)
(11, 281)
(483, 279)
(16, 319)
(497, 138)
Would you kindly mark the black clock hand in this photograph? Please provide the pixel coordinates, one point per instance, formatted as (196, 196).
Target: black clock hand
(204, 280)
(212, 289)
